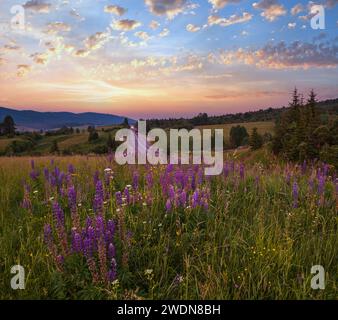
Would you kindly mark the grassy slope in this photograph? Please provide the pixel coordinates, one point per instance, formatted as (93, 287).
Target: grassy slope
(262, 126)
(252, 244)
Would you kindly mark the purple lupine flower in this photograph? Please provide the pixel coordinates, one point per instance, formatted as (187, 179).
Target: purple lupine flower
(88, 247)
(89, 222)
(135, 180)
(111, 251)
(232, 166)
(325, 169)
(193, 182)
(34, 174)
(118, 196)
(288, 178)
(48, 235)
(111, 227)
(32, 164)
(150, 180)
(127, 194)
(98, 198)
(58, 214)
(60, 178)
(295, 194)
(77, 242)
(60, 226)
(321, 184)
(99, 223)
(72, 197)
(241, 170)
(53, 181)
(170, 168)
(195, 199)
(171, 192)
(71, 169)
(200, 176)
(168, 205)
(183, 198)
(112, 274)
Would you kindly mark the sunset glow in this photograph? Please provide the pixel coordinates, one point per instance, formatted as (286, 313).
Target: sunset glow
(164, 58)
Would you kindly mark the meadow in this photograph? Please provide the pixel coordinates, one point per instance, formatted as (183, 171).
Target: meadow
(86, 228)
(263, 127)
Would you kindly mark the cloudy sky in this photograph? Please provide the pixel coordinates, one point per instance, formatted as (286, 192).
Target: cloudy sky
(161, 58)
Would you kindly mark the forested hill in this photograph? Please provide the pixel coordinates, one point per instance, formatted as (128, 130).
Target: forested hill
(270, 114)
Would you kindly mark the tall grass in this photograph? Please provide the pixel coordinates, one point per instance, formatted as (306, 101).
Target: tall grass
(250, 242)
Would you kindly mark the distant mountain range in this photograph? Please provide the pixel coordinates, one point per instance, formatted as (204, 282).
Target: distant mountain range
(33, 120)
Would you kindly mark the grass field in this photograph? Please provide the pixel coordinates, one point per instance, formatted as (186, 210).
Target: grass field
(82, 231)
(262, 127)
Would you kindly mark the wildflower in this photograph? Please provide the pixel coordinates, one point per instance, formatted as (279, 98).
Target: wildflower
(171, 192)
(241, 170)
(77, 242)
(127, 194)
(148, 272)
(111, 251)
(46, 173)
(195, 199)
(71, 169)
(60, 226)
(178, 279)
(150, 180)
(168, 205)
(112, 274)
(111, 227)
(183, 198)
(118, 196)
(135, 180)
(321, 184)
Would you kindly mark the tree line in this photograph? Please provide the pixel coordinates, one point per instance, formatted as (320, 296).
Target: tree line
(301, 133)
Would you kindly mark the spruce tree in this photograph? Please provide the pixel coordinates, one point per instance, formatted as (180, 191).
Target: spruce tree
(256, 140)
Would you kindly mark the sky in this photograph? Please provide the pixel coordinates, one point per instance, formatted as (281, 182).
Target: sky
(164, 58)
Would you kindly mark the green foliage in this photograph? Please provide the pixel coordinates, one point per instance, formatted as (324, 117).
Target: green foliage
(256, 140)
(19, 146)
(7, 127)
(238, 136)
(54, 148)
(300, 134)
(93, 136)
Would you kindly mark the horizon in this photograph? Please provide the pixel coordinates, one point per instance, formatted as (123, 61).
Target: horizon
(150, 118)
(165, 59)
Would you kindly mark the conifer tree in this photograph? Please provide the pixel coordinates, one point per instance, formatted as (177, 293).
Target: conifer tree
(256, 140)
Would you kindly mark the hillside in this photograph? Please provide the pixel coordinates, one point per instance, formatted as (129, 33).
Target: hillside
(33, 120)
